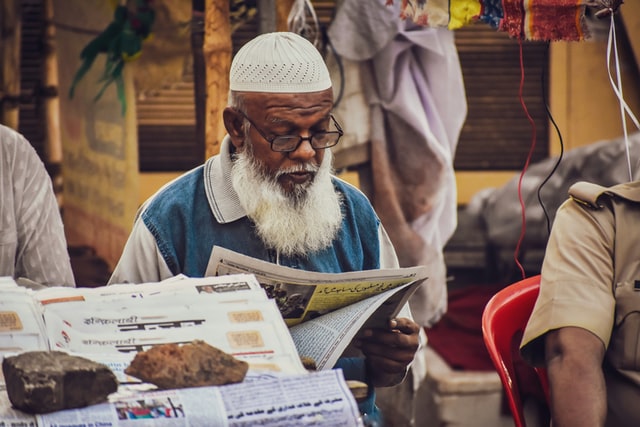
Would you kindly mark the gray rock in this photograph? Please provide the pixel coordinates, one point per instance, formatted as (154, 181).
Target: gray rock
(41, 381)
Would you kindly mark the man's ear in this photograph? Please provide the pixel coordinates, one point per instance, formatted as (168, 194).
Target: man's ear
(233, 123)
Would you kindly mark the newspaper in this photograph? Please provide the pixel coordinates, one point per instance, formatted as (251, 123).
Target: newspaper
(110, 324)
(328, 309)
(21, 326)
(320, 399)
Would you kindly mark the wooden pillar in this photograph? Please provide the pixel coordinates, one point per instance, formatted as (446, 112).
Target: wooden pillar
(283, 7)
(267, 16)
(199, 72)
(217, 50)
(49, 90)
(10, 41)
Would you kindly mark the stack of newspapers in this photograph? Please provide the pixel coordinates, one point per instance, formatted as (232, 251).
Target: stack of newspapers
(266, 315)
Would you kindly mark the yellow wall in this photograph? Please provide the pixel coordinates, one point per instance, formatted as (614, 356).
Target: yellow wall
(582, 99)
(150, 182)
(469, 182)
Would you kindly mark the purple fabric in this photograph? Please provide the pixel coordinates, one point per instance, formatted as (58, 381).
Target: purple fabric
(414, 87)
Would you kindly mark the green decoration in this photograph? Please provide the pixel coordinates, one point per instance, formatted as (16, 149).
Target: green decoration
(121, 41)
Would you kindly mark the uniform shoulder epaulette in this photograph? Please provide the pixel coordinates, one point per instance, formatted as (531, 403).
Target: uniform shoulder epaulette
(588, 194)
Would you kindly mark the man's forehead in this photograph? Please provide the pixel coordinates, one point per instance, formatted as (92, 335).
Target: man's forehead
(286, 103)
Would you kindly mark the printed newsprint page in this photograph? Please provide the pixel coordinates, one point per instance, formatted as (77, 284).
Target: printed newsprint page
(21, 329)
(325, 311)
(21, 324)
(110, 324)
(320, 399)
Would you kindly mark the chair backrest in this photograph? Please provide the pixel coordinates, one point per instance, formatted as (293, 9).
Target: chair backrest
(503, 321)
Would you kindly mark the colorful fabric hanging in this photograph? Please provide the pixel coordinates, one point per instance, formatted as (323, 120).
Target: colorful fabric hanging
(545, 20)
(491, 12)
(463, 12)
(434, 13)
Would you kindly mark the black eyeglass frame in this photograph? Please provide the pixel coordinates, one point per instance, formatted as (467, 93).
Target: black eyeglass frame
(309, 138)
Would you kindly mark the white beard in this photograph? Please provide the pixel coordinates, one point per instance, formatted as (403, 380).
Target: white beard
(304, 221)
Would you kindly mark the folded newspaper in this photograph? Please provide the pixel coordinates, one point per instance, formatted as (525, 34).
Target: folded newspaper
(325, 311)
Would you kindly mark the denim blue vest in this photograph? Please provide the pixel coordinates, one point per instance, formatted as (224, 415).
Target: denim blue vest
(185, 230)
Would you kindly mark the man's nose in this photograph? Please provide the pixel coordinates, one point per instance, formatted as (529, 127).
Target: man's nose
(304, 151)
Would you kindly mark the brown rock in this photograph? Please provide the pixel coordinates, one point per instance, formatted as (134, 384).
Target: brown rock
(189, 365)
(41, 381)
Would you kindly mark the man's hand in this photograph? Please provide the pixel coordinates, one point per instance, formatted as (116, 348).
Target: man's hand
(389, 351)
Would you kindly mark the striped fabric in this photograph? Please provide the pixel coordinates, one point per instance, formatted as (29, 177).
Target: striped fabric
(544, 20)
(32, 240)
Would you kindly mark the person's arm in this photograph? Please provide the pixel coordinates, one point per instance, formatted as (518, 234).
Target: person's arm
(141, 260)
(389, 352)
(573, 357)
(42, 254)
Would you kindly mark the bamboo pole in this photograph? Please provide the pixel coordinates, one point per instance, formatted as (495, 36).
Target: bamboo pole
(11, 38)
(217, 50)
(199, 72)
(266, 16)
(283, 7)
(51, 100)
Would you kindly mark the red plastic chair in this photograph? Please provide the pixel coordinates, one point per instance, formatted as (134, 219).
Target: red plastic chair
(503, 321)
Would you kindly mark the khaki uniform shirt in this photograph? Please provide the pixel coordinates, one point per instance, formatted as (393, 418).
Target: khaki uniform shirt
(591, 280)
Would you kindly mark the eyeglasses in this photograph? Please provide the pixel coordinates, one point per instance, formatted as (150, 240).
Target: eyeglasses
(289, 143)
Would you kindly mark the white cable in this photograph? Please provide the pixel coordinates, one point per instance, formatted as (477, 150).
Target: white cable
(298, 22)
(617, 88)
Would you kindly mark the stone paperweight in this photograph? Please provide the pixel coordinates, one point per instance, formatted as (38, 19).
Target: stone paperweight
(41, 381)
(194, 364)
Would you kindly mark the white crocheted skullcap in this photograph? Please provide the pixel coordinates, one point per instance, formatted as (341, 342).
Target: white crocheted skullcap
(280, 62)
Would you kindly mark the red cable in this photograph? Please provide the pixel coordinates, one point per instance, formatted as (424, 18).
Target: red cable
(526, 165)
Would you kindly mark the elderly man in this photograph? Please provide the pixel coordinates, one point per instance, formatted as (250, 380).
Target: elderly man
(32, 240)
(270, 194)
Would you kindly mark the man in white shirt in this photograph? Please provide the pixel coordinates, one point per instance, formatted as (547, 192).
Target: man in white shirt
(32, 240)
